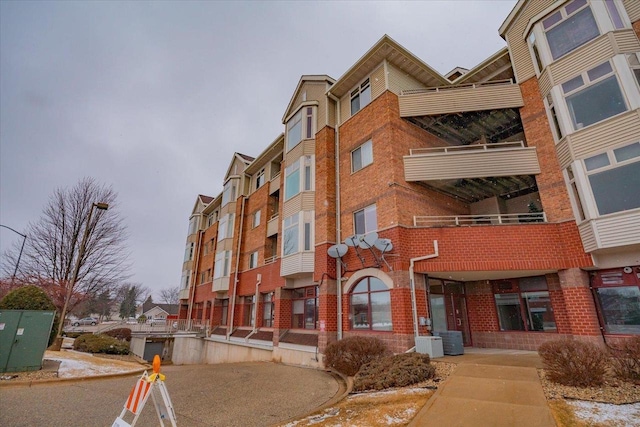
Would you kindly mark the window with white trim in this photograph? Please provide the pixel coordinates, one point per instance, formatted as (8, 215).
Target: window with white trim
(614, 177)
(569, 28)
(361, 156)
(193, 225)
(614, 14)
(535, 52)
(290, 235)
(365, 220)
(268, 311)
(225, 227)
(295, 181)
(360, 96)
(188, 252)
(255, 221)
(574, 194)
(300, 127)
(253, 259)
(593, 96)
(186, 275)
(222, 264)
(553, 118)
(634, 63)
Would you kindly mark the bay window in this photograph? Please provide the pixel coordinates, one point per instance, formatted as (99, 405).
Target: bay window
(569, 28)
(222, 264)
(290, 236)
(225, 227)
(295, 180)
(229, 192)
(298, 233)
(593, 96)
(614, 177)
(300, 126)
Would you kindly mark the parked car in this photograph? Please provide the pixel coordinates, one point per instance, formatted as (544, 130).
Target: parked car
(85, 321)
(132, 321)
(157, 321)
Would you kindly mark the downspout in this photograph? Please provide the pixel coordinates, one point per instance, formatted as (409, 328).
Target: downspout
(193, 288)
(338, 226)
(414, 307)
(235, 278)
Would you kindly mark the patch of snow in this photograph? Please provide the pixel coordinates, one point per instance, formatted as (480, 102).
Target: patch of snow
(417, 390)
(619, 415)
(402, 419)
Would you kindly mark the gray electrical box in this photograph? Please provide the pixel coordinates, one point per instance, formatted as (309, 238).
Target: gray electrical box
(24, 335)
(429, 345)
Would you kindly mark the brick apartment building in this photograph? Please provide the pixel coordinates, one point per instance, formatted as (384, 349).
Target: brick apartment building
(501, 201)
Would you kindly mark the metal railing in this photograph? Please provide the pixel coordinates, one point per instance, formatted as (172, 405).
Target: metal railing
(489, 219)
(270, 260)
(466, 148)
(504, 82)
(156, 326)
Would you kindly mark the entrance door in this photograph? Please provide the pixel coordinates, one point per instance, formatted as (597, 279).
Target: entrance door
(448, 306)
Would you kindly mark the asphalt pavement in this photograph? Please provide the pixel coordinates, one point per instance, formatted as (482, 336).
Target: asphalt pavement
(242, 394)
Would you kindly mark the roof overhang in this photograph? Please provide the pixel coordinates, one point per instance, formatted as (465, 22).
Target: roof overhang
(322, 78)
(507, 22)
(496, 67)
(394, 53)
(267, 155)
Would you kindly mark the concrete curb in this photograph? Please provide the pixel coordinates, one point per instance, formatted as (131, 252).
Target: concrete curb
(49, 381)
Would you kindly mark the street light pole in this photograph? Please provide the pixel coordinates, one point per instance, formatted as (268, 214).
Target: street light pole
(24, 239)
(76, 270)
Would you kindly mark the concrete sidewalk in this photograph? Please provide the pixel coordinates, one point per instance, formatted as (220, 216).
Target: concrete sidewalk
(489, 388)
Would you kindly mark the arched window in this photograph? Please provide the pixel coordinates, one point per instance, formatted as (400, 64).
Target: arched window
(370, 302)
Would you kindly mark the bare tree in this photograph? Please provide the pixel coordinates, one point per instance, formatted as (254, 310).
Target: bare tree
(78, 248)
(170, 295)
(130, 296)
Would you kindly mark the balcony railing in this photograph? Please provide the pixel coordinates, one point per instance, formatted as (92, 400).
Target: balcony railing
(489, 219)
(158, 326)
(270, 260)
(460, 98)
(471, 161)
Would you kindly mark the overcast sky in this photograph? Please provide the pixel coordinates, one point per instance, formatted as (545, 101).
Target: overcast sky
(153, 98)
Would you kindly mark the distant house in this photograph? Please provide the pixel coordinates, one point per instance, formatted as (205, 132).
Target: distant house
(155, 311)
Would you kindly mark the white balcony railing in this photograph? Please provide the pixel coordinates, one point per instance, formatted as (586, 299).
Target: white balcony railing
(489, 219)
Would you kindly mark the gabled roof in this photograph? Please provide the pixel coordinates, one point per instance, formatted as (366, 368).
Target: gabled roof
(514, 12)
(168, 308)
(392, 51)
(242, 157)
(496, 67)
(457, 70)
(303, 80)
(201, 202)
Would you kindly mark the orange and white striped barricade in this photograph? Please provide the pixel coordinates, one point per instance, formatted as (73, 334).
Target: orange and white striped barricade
(148, 385)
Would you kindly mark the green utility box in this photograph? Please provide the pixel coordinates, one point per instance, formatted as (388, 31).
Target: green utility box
(24, 335)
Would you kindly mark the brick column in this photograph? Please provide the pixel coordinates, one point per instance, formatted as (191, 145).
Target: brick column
(580, 307)
(282, 313)
(328, 315)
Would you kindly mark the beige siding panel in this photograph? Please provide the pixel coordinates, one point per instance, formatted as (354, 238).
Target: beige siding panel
(588, 56)
(184, 293)
(228, 208)
(272, 226)
(296, 264)
(400, 80)
(563, 150)
(292, 206)
(377, 82)
(309, 147)
(545, 83)
(633, 9)
(522, 161)
(520, 55)
(321, 120)
(488, 97)
(623, 129)
(274, 184)
(225, 245)
(619, 230)
(308, 200)
(588, 236)
(345, 108)
(331, 105)
(293, 155)
(626, 41)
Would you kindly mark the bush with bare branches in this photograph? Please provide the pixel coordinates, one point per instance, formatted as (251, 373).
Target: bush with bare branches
(400, 370)
(625, 361)
(349, 354)
(574, 363)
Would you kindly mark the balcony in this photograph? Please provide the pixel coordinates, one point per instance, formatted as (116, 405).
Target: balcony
(492, 95)
(272, 225)
(221, 284)
(471, 161)
(184, 293)
(297, 265)
(488, 219)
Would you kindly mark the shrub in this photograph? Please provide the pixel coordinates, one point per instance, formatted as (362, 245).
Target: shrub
(349, 354)
(625, 361)
(100, 343)
(31, 298)
(574, 363)
(72, 334)
(394, 371)
(123, 334)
